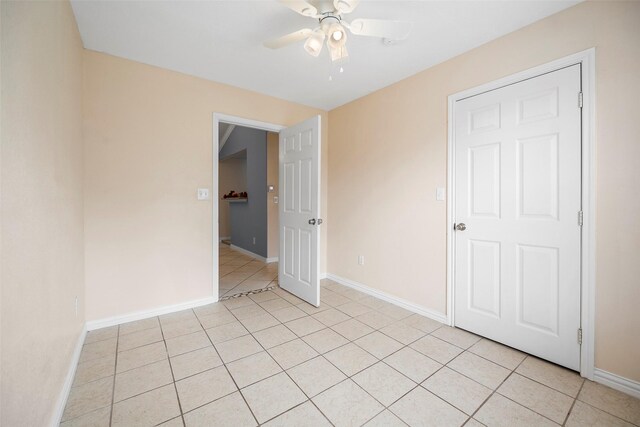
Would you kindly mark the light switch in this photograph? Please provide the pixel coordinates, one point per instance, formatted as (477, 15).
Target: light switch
(203, 194)
(275, 199)
(440, 194)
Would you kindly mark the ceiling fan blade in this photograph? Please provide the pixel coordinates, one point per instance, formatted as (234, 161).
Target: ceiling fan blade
(288, 39)
(301, 7)
(345, 6)
(393, 30)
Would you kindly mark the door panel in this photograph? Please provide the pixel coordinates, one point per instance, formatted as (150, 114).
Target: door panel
(518, 191)
(300, 187)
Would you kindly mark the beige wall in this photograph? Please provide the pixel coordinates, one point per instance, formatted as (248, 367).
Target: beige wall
(148, 145)
(273, 236)
(388, 155)
(232, 174)
(42, 237)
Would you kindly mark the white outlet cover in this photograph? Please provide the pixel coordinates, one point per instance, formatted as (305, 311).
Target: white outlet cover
(203, 194)
(440, 194)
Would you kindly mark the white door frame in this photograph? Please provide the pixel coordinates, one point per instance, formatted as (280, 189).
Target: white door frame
(588, 278)
(215, 197)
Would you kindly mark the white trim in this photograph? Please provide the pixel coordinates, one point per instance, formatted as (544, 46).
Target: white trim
(253, 255)
(239, 121)
(617, 382)
(439, 317)
(145, 314)
(68, 381)
(587, 59)
(226, 136)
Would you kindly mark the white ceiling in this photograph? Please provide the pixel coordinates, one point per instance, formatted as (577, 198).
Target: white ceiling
(222, 41)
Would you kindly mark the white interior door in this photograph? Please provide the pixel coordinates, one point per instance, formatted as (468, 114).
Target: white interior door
(300, 210)
(518, 194)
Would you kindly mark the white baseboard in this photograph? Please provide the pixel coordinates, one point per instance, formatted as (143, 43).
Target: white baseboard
(323, 276)
(439, 317)
(252, 255)
(68, 381)
(617, 382)
(139, 315)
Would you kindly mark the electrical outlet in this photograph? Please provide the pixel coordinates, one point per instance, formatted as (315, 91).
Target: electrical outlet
(203, 194)
(254, 240)
(360, 259)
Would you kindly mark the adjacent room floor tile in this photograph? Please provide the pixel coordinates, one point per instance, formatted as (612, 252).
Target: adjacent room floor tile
(458, 390)
(346, 404)
(271, 397)
(316, 375)
(230, 410)
(383, 383)
(149, 408)
(204, 387)
(421, 408)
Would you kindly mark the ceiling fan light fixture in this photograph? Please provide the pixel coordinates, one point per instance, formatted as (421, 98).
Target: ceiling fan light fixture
(338, 52)
(314, 43)
(337, 35)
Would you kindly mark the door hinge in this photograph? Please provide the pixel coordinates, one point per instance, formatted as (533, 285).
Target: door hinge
(580, 336)
(580, 218)
(580, 99)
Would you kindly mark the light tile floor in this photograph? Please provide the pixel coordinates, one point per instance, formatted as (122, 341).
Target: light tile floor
(273, 360)
(239, 273)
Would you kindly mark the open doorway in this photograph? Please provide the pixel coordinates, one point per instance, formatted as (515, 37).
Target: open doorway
(247, 210)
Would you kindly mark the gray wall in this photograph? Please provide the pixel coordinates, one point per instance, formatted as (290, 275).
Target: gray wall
(249, 220)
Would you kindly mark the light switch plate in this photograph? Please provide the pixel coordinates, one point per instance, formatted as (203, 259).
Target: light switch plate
(440, 194)
(275, 199)
(203, 194)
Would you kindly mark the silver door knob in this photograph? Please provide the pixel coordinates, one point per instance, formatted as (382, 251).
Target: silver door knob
(312, 221)
(461, 226)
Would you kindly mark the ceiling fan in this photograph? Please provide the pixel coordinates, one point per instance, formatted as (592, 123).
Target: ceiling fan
(333, 28)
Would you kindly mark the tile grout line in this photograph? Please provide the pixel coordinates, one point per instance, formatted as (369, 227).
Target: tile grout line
(115, 372)
(173, 377)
